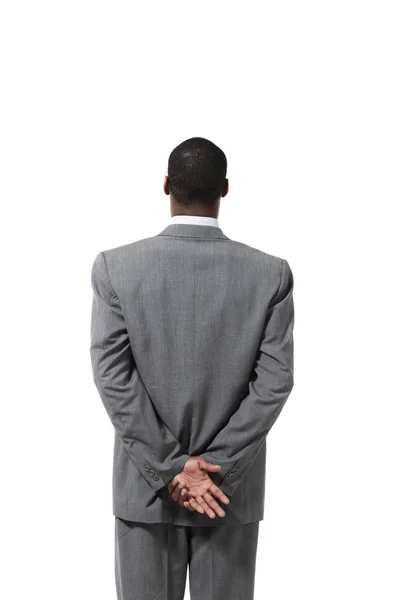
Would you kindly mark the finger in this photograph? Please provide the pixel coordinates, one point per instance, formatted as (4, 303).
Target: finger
(172, 486)
(206, 465)
(187, 505)
(177, 490)
(182, 496)
(219, 494)
(207, 509)
(213, 504)
(174, 482)
(196, 505)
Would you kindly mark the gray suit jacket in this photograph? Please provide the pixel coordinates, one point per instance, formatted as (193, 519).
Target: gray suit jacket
(192, 354)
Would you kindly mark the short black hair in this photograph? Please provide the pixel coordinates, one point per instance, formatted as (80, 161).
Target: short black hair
(197, 171)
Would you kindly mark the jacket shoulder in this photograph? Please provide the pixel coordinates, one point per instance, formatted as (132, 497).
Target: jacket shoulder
(246, 253)
(257, 255)
(122, 250)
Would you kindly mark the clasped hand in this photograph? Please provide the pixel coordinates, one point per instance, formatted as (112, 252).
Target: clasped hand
(194, 489)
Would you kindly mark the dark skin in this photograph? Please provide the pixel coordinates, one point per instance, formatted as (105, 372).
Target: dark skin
(200, 210)
(192, 487)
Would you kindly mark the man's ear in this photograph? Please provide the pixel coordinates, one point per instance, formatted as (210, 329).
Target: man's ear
(166, 185)
(225, 189)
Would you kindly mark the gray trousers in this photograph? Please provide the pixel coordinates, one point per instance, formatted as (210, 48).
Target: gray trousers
(151, 561)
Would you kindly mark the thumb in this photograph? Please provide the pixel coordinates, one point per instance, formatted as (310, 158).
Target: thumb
(206, 465)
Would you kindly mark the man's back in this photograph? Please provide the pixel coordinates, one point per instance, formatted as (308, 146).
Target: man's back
(195, 305)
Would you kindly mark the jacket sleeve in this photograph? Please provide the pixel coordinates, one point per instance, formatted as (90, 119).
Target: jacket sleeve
(151, 445)
(236, 445)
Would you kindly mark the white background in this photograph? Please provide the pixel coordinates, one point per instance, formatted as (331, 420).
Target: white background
(303, 97)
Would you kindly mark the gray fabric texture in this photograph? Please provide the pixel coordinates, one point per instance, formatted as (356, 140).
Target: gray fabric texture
(192, 354)
(152, 561)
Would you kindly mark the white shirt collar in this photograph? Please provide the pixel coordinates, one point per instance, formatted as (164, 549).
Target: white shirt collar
(195, 220)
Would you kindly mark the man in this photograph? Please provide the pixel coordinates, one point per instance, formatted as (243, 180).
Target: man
(192, 355)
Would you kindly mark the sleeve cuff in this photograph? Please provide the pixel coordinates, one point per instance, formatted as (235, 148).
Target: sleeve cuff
(157, 480)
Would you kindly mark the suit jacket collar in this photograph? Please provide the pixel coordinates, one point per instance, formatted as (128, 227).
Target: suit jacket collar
(192, 230)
